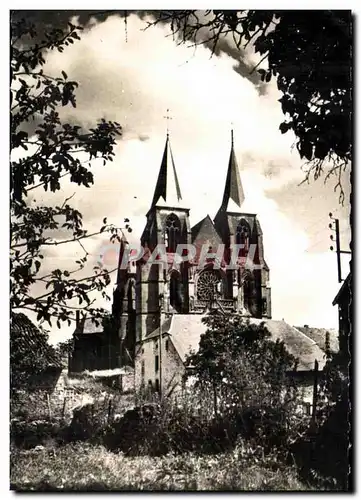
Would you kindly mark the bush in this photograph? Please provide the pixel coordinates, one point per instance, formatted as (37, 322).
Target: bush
(29, 434)
(89, 422)
(158, 429)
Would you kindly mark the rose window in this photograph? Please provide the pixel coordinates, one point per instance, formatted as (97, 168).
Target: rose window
(208, 285)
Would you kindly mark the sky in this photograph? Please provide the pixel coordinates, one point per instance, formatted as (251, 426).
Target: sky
(133, 78)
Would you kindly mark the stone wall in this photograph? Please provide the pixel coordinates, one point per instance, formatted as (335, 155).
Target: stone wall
(146, 374)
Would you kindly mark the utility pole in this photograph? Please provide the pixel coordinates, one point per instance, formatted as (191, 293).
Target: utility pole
(338, 249)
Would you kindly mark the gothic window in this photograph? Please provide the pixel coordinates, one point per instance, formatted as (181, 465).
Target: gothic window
(150, 386)
(242, 237)
(209, 285)
(176, 292)
(172, 233)
(264, 306)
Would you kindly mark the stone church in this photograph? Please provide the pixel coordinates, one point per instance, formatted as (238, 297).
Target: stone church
(157, 311)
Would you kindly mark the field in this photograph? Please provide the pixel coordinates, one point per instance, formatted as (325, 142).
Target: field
(83, 467)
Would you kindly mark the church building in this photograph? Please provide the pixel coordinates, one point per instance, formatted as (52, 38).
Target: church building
(158, 309)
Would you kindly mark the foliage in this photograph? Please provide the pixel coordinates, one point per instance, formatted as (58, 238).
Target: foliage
(329, 443)
(247, 373)
(65, 348)
(84, 467)
(29, 434)
(232, 341)
(44, 151)
(309, 54)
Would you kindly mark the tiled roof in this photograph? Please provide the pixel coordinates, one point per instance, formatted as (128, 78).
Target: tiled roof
(297, 343)
(29, 336)
(319, 336)
(186, 330)
(87, 326)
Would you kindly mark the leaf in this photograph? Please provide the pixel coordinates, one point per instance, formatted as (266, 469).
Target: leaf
(284, 127)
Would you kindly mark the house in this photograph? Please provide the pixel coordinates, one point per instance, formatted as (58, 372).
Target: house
(180, 334)
(97, 346)
(27, 340)
(343, 300)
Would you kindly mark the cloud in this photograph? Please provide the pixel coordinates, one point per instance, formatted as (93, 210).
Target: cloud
(134, 82)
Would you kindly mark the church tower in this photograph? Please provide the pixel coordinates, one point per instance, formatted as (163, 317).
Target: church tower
(163, 286)
(249, 283)
(123, 309)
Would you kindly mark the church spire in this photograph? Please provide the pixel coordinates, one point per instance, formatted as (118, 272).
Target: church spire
(167, 191)
(233, 196)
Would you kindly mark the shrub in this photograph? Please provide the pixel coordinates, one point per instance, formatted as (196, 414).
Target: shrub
(29, 434)
(89, 422)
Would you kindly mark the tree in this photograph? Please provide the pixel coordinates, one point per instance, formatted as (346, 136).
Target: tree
(65, 348)
(332, 450)
(52, 150)
(309, 54)
(247, 373)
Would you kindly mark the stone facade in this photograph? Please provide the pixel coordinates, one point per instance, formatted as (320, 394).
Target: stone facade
(151, 368)
(188, 288)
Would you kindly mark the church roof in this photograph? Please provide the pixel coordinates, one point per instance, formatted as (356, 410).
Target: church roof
(167, 191)
(205, 230)
(233, 196)
(87, 326)
(185, 331)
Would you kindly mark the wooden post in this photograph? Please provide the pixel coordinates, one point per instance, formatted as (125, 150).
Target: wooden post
(314, 398)
(48, 401)
(109, 409)
(338, 250)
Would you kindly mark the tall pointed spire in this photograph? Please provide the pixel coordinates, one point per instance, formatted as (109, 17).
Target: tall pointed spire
(167, 191)
(233, 196)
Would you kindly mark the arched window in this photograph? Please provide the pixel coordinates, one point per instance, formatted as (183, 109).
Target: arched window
(176, 292)
(242, 237)
(172, 233)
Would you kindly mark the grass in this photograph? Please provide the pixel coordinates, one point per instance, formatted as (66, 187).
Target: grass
(82, 467)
